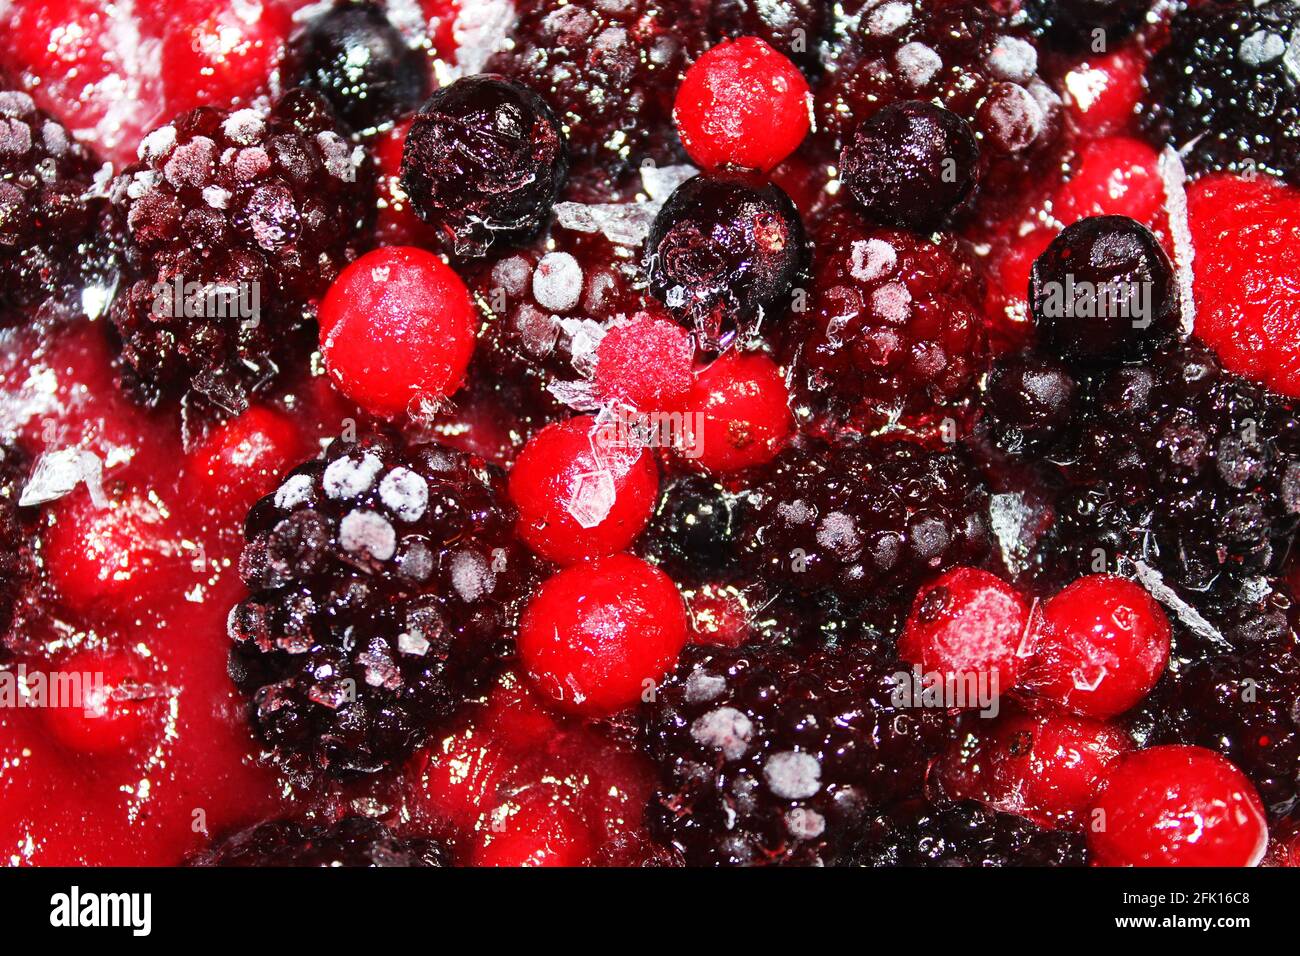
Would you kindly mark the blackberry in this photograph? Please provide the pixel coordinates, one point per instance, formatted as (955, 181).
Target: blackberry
(355, 57)
(963, 55)
(723, 248)
(351, 841)
(232, 205)
(385, 581)
(894, 329)
(52, 229)
(14, 545)
(611, 72)
(1072, 24)
(484, 161)
(792, 27)
(1224, 87)
(968, 834)
(870, 519)
(768, 756)
(1032, 400)
(696, 529)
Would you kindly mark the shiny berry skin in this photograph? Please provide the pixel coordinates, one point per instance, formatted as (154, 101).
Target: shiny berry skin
(582, 493)
(1103, 91)
(220, 54)
(358, 60)
(534, 829)
(723, 247)
(1070, 24)
(1031, 400)
(743, 105)
(791, 27)
(598, 634)
(1103, 292)
(743, 411)
(695, 529)
(120, 708)
(241, 460)
(1098, 646)
(1177, 806)
(967, 621)
(912, 164)
(646, 362)
(397, 326)
(1113, 176)
(483, 162)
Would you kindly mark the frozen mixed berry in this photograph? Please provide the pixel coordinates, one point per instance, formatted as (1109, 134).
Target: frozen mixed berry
(1030, 399)
(780, 757)
(216, 53)
(1098, 647)
(871, 518)
(242, 459)
(894, 328)
(353, 55)
(1223, 87)
(1177, 806)
(1103, 292)
(967, 834)
(13, 534)
(351, 841)
(737, 413)
(742, 105)
(583, 488)
(385, 579)
(122, 707)
(1113, 176)
(696, 529)
(794, 28)
(397, 330)
(483, 162)
(913, 164)
(598, 637)
(250, 216)
(724, 248)
(644, 361)
(48, 217)
(1086, 24)
(610, 71)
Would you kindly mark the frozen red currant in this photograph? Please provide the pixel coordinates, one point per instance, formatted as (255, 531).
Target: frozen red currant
(737, 414)
(242, 459)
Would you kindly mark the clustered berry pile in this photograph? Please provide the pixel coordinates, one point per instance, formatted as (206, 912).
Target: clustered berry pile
(683, 433)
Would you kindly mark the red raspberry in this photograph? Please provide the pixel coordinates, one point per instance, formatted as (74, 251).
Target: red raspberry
(1098, 646)
(645, 362)
(1177, 806)
(1114, 176)
(599, 634)
(119, 709)
(742, 407)
(1102, 93)
(742, 104)
(397, 325)
(241, 459)
(967, 621)
(1244, 289)
(580, 492)
(215, 53)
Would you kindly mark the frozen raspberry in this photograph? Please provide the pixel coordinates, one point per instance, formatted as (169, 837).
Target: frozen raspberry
(967, 834)
(1098, 647)
(644, 361)
(874, 518)
(780, 757)
(397, 330)
(794, 28)
(582, 490)
(1243, 309)
(894, 328)
(1072, 24)
(384, 581)
(1223, 87)
(351, 841)
(221, 54)
(598, 636)
(354, 56)
(723, 248)
(1177, 806)
(967, 621)
(47, 217)
(483, 162)
(14, 559)
(742, 105)
(1104, 292)
(737, 413)
(259, 213)
(1113, 176)
(912, 164)
(610, 72)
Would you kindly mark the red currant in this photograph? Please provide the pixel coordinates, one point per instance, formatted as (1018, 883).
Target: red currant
(738, 413)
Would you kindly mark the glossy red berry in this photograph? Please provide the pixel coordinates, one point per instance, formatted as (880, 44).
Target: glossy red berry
(742, 104)
(1177, 806)
(220, 54)
(599, 635)
(738, 413)
(242, 459)
(581, 491)
(1098, 646)
(645, 362)
(967, 621)
(397, 326)
(114, 709)
(535, 828)
(1113, 176)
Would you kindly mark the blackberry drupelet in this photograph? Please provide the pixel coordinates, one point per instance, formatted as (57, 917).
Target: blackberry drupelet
(610, 71)
(359, 61)
(865, 520)
(484, 161)
(240, 203)
(385, 580)
(794, 28)
(1224, 86)
(773, 756)
(968, 834)
(351, 842)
